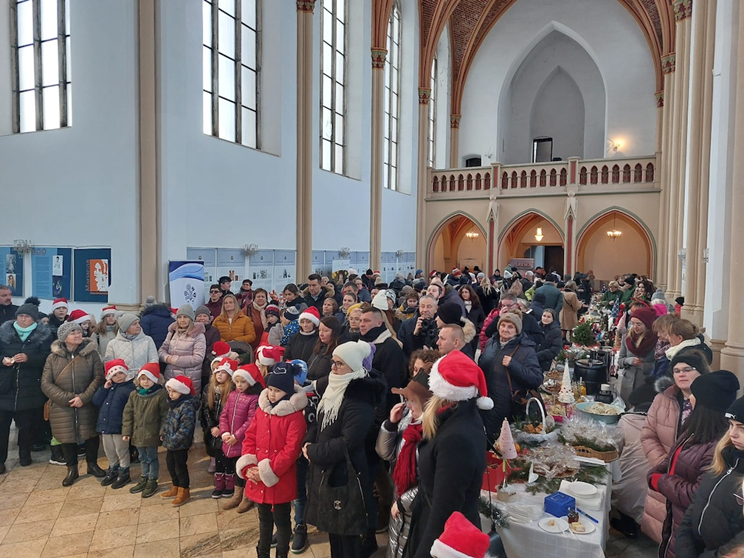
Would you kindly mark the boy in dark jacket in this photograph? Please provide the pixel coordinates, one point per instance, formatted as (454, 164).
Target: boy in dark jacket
(177, 434)
(111, 398)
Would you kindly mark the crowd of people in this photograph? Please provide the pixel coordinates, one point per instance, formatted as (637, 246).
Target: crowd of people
(366, 407)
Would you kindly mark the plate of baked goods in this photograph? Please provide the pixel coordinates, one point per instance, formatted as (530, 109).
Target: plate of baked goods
(553, 524)
(582, 527)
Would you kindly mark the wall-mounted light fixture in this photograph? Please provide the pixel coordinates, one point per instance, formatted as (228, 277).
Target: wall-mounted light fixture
(345, 252)
(23, 246)
(250, 249)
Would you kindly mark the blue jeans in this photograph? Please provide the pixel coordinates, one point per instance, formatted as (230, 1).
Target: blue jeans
(301, 502)
(149, 461)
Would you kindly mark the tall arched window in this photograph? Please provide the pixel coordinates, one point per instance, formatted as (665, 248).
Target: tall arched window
(230, 70)
(433, 113)
(40, 43)
(391, 128)
(333, 86)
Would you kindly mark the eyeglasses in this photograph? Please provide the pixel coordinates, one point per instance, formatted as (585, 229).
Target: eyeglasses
(337, 364)
(686, 370)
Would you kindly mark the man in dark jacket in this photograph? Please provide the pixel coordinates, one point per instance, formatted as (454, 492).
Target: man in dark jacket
(215, 300)
(553, 296)
(155, 321)
(7, 308)
(421, 330)
(316, 292)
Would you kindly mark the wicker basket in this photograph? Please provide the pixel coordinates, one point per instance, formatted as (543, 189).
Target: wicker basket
(606, 456)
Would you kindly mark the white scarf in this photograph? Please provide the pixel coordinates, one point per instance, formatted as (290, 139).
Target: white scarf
(671, 352)
(331, 401)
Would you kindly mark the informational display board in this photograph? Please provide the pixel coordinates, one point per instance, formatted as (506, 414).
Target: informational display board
(285, 268)
(186, 280)
(92, 274)
(51, 272)
(231, 263)
(261, 270)
(208, 256)
(11, 266)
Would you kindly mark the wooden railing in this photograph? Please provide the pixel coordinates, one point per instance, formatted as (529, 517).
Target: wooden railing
(542, 178)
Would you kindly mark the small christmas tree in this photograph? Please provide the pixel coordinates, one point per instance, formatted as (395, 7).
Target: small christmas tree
(583, 335)
(566, 394)
(506, 442)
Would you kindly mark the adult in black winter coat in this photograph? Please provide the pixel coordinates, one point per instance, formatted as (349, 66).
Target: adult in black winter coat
(346, 414)
(552, 342)
(508, 352)
(452, 455)
(530, 327)
(155, 321)
(25, 344)
(421, 330)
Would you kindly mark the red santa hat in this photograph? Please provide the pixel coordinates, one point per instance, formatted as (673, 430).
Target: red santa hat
(79, 316)
(311, 314)
(108, 310)
(221, 349)
(59, 303)
(181, 384)
(456, 272)
(269, 355)
(251, 374)
(114, 366)
(460, 539)
(151, 370)
(455, 377)
(227, 365)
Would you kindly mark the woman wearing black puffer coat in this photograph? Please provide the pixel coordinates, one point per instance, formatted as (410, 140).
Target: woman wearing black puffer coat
(552, 342)
(509, 357)
(25, 344)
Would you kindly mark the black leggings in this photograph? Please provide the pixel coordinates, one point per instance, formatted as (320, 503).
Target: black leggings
(176, 460)
(279, 517)
(345, 546)
(91, 452)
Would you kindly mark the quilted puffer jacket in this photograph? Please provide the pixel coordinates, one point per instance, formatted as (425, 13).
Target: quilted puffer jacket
(135, 352)
(188, 350)
(180, 422)
(150, 408)
(236, 417)
(20, 383)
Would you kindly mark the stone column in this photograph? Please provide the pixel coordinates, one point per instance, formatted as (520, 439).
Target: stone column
(454, 161)
(698, 169)
(149, 236)
(423, 178)
(379, 56)
(662, 120)
(732, 355)
(304, 214)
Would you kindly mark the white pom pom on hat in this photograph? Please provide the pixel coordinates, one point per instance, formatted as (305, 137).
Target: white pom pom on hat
(455, 377)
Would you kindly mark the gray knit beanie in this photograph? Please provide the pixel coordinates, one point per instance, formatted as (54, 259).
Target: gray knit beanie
(186, 310)
(66, 329)
(126, 320)
(28, 309)
(202, 310)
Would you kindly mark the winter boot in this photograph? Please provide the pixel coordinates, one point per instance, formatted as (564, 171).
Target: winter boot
(151, 488)
(229, 490)
(245, 504)
(183, 496)
(57, 457)
(234, 502)
(139, 487)
(122, 479)
(212, 466)
(219, 485)
(72, 475)
(274, 542)
(299, 542)
(111, 475)
(95, 470)
(369, 544)
(24, 455)
(263, 552)
(172, 493)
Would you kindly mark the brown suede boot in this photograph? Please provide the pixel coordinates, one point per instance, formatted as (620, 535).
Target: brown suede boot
(233, 501)
(183, 496)
(245, 505)
(172, 493)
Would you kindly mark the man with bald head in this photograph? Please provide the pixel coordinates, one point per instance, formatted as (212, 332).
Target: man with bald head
(451, 338)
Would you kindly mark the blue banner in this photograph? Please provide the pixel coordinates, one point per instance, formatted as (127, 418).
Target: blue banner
(92, 274)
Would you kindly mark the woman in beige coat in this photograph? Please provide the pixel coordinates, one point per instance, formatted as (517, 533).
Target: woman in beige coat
(569, 316)
(72, 374)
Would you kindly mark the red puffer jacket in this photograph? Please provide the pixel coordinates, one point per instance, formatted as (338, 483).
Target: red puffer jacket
(235, 419)
(273, 444)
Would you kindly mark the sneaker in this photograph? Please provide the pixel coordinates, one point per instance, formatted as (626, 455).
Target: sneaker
(274, 542)
(57, 457)
(151, 488)
(57, 461)
(139, 487)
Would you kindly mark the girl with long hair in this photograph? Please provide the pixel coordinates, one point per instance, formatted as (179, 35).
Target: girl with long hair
(329, 333)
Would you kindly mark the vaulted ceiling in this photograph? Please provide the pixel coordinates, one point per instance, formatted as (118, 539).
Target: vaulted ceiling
(471, 20)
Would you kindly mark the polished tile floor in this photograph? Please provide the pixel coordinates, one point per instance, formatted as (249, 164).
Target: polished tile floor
(40, 518)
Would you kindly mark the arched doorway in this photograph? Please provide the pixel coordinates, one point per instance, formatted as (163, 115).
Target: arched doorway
(458, 242)
(522, 239)
(630, 252)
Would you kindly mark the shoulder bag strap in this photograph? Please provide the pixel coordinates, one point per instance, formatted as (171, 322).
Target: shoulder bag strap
(508, 376)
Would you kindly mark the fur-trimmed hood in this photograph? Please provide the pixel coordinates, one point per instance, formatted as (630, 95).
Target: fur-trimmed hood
(468, 328)
(41, 335)
(86, 347)
(663, 383)
(196, 330)
(297, 402)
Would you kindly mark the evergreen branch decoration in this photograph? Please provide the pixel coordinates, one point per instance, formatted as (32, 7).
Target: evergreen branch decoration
(490, 510)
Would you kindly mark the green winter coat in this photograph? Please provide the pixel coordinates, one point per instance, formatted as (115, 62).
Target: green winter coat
(85, 375)
(150, 410)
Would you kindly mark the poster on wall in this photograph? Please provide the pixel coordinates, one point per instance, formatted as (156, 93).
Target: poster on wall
(186, 280)
(261, 270)
(231, 263)
(51, 272)
(208, 256)
(11, 265)
(522, 264)
(285, 268)
(92, 274)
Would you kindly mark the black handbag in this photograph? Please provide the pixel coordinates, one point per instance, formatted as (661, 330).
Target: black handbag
(341, 509)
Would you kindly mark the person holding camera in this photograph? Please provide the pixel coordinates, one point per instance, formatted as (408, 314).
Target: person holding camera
(420, 330)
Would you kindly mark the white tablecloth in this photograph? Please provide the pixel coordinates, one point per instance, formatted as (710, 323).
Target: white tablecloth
(530, 541)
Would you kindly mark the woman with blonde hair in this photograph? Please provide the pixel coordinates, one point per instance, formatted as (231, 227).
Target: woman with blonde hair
(713, 525)
(452, 454)
(232, 324)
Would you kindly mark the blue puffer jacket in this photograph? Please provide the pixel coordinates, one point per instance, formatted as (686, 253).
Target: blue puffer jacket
(180, 422)
(155, 321)
(111, 402)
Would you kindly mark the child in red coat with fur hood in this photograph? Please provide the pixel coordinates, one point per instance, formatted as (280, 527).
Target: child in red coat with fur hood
(270, 451)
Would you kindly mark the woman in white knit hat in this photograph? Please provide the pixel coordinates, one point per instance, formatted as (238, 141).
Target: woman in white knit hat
(346, 414)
